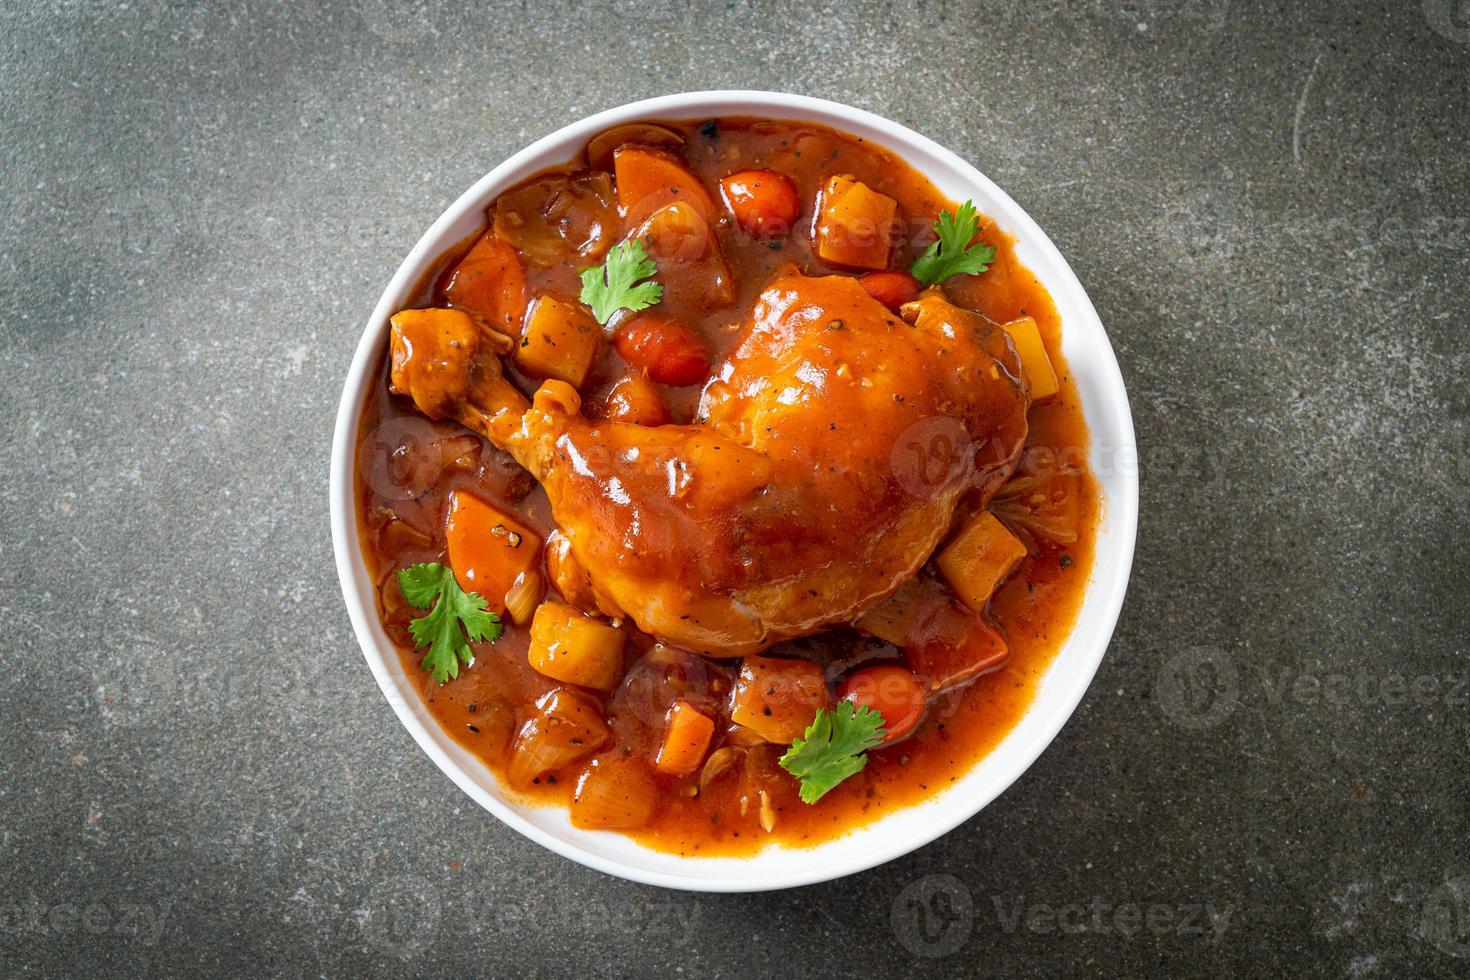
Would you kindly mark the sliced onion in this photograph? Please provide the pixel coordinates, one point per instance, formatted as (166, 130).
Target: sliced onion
(524, 595)
(600, 149)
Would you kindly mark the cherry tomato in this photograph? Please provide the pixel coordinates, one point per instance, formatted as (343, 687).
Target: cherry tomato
(892, 289)
(894, 692)
(664, 349)
(762, 202)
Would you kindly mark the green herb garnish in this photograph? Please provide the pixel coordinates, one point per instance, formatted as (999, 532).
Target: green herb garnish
(614, 285)
(954, 254)
(457, 615)
(833, 748)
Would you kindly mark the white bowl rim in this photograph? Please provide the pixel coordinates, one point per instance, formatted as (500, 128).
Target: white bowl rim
(867, 846)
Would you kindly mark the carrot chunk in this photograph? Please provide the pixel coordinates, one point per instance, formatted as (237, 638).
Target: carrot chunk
(686, 741)
(649, 179)
(490, 282)
(488, 549)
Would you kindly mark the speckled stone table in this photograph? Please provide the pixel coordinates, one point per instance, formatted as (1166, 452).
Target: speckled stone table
(199, 206)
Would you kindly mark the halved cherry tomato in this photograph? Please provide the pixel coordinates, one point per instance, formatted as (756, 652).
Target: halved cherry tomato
(892, 691)
(892, 289)
(664, 349)
(762, 202)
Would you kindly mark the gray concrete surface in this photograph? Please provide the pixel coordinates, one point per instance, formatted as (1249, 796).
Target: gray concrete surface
(198, 207)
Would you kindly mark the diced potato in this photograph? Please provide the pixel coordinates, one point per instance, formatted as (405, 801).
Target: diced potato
(488, 549)
(776, 698)
(560, 340)
(567, 646)
(567, 726)
(854, 224)
(978, 559)
(614, 793)
(686, 741)
(649, 179)
(490, 282)
(1034, 361)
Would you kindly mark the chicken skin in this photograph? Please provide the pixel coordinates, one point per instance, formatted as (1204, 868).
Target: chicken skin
(831, 449)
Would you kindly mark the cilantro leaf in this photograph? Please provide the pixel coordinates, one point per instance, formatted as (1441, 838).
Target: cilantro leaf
(833, 748)
(953, 254)
(614, 285)
(456, 615)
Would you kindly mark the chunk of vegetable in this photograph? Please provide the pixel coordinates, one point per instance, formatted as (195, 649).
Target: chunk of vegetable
(944, 641)
(600, 148)
(892, 289)
(635, 399)
(978, 559)
(1047, 505)
(894, 618)
(763, 202)
(686, 741)
(854, 224)
(777, 698)
(567, 726)
(567, 646)
(1034, 361)
(494, 721)
(488, 549)
(649, 179)
(490, 282)
(691, 268)
(560, 341)
(953, 644)
(664, 349)
(522, 598)
(559, 217)
(614, 792)
(892, 691)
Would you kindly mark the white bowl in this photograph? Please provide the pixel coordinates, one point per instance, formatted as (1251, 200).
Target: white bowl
(1105, 403)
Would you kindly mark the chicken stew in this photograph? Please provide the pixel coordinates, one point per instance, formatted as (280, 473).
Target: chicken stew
(730, 487)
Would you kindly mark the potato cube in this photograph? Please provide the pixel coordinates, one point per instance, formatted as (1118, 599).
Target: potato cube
(570, 647)
(560, 341)
(978, 559)
(776, 698)
(614, 793)
(854, 224)
(1034, 362)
